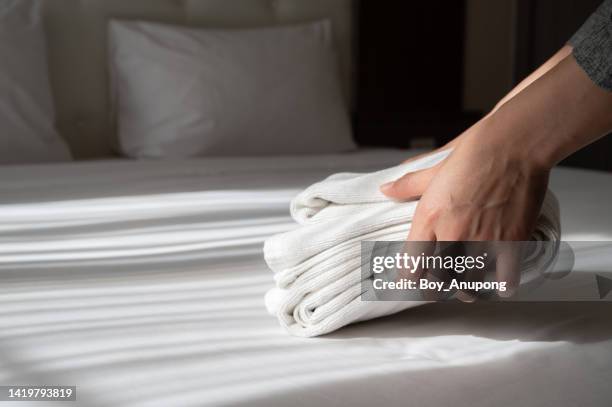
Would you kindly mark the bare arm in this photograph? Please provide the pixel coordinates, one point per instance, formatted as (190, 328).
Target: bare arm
(492, 185)
(543, 69)
(535, 75)
(556, 115)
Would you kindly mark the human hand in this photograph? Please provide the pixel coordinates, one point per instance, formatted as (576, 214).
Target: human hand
(492, 185)
(484, 191)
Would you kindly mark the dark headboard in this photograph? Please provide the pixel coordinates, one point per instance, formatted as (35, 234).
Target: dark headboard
(410, 71)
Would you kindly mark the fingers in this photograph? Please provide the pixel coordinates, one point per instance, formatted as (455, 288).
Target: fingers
(421, 234)
(465, 297)
(508, 271)
(410, 186)
(470, 295)
(421, 230)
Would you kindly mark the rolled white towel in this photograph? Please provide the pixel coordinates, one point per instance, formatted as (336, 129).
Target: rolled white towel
(317, 267)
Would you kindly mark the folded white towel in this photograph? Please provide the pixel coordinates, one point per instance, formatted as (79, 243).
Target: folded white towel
(317, 267)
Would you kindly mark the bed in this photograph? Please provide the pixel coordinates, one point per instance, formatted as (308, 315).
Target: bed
(142, 283)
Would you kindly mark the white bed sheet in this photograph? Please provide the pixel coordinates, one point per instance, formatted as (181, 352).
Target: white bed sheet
(142, 283)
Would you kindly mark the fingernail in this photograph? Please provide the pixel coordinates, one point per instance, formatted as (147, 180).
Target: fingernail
(386, 187)
(465, 297)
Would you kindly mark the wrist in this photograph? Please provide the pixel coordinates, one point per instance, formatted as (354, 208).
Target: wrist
(523, 138)
(552, 118)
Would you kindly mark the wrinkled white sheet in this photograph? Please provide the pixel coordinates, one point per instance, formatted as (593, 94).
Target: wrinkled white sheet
(142, 284)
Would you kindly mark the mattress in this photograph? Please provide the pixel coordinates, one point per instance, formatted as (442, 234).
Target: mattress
(142, 284)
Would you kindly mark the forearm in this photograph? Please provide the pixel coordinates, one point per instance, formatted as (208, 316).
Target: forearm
(556, 115)
(535, 75)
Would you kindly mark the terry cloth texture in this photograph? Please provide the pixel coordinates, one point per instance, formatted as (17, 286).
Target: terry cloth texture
(317, 267)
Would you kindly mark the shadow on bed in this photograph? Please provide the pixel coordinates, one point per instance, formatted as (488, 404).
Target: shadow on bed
(576, 322)
(445, 354)
(519, 381)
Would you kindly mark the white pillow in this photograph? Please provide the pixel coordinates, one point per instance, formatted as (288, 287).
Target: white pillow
(27, 133)
(191, 92)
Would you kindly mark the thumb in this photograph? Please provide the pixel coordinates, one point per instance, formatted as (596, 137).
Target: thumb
(411, 185)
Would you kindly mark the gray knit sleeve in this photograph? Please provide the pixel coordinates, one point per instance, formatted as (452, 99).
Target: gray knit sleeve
(593, 46)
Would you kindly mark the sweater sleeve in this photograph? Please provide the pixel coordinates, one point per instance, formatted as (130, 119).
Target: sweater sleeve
(593, 46)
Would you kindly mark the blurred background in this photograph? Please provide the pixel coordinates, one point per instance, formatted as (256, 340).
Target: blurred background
(428, 70)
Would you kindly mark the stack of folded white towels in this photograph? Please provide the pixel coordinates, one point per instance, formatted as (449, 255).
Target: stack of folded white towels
(317, 267)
